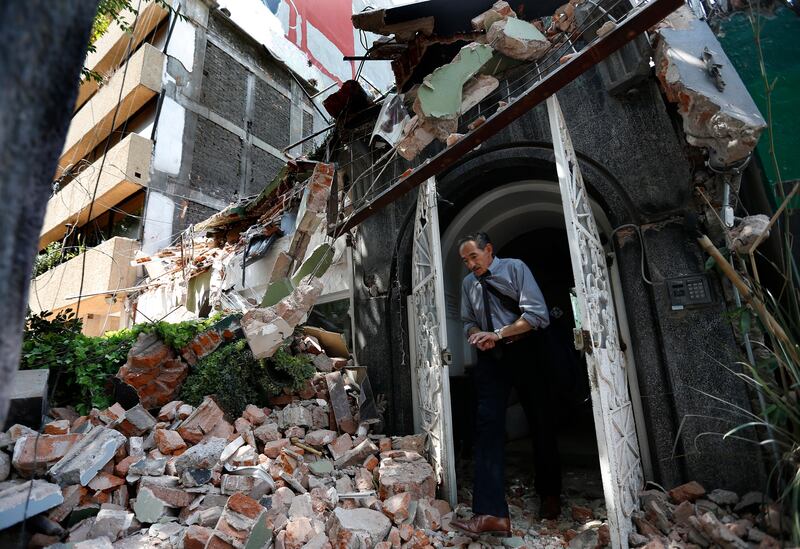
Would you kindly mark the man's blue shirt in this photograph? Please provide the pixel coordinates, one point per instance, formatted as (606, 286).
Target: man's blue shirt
(511, 277)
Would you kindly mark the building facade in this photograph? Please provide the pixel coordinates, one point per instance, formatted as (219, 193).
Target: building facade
(192, 114)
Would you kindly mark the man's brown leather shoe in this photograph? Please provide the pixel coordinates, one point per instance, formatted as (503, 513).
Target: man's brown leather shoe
(484, 524)
(551, 507)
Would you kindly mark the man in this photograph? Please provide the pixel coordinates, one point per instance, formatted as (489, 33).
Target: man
(505, 317)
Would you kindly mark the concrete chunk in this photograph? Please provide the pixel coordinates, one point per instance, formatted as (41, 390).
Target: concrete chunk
(718, 112)
(87, 456)
(201, 456)
(137, 421)
(148, 507)
(43, 496)
(340, 403)
(368, 526)
(27, 392)
(517, 39)
(112, 523)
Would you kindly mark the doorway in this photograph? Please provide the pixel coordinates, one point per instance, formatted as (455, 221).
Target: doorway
(525, 220)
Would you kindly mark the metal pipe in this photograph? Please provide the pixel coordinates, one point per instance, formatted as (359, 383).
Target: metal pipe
(737, 299)
(306, 138)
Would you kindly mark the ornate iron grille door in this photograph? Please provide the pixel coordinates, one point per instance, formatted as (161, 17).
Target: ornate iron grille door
(431, 377)
(620, 461)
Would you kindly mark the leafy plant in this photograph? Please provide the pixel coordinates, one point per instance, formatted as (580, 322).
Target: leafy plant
(237, 379)
(81, 366)
(285, 370)
(180, 334)
(53, 255)
(108, 12)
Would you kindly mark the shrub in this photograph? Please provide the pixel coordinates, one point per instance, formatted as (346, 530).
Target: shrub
(81, 366)
(237, 379)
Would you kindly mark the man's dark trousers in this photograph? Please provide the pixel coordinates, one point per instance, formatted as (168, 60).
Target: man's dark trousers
(525, 365)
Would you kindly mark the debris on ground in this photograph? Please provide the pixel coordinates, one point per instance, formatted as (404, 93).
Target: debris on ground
(689, 516)
(303, 472)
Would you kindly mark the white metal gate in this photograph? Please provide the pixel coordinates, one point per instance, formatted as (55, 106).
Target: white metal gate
(430, 373)
(620, 460)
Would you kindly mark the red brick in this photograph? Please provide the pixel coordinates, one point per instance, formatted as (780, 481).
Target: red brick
(104, 481)
(196, 537)
(371, 463)
(207, 419)
(48, 450)
(273, 448)
(169, 441)
(244, 505)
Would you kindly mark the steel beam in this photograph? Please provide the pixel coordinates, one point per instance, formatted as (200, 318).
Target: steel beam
(638, 21)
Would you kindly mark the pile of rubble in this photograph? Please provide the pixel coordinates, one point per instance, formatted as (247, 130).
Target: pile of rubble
(307, 474)
(687, 516)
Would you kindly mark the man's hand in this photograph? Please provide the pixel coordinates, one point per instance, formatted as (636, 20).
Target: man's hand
(483, 340)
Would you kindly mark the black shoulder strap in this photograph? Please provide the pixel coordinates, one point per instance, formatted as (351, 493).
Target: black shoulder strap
(508, 303)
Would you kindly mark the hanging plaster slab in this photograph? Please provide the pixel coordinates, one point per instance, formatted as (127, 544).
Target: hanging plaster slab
(441, 91)
(717, 110)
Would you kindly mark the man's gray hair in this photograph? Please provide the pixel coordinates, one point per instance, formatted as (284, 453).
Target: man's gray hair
(481, 239)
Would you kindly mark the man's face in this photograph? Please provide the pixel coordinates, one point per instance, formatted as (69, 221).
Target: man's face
(476, 260)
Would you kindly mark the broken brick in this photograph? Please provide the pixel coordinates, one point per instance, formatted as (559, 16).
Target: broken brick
(168, 441)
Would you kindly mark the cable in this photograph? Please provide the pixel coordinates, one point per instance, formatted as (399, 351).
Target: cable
(638, 230)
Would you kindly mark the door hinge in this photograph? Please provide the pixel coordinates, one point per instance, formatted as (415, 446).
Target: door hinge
(447, 357)
(583, 340)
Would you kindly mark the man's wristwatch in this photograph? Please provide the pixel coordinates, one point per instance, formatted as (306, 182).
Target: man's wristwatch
(499, 334)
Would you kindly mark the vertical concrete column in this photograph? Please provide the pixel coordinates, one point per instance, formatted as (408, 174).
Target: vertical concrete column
(247, 145)
(296, 117)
